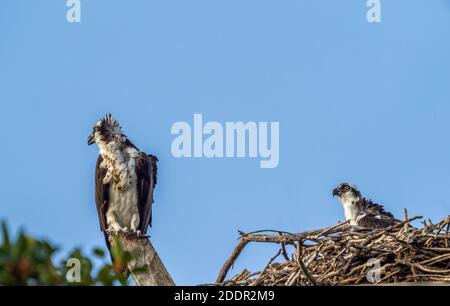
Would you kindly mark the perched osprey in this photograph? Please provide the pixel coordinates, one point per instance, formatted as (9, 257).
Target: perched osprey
(361, 211)
(125, 179)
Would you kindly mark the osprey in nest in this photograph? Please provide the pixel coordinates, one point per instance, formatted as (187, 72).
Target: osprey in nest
(125, 179)
(361, 211)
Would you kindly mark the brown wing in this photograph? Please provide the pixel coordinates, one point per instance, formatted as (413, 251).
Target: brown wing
(101, 194)
(146, 172)
(375, 221)
(374, 208)
(374, 216)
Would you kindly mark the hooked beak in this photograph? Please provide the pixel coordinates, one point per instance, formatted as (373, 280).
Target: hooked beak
(336, 193)
(91, 140)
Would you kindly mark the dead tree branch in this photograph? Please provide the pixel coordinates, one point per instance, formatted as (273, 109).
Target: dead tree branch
(145, 265)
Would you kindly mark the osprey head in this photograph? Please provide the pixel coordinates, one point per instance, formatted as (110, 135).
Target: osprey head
(105, 131)
(347, 191)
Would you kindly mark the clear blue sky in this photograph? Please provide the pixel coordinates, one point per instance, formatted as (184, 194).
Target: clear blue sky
(360, 102)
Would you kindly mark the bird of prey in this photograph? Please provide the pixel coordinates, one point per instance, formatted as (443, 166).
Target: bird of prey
(125, 179)
(361, 211)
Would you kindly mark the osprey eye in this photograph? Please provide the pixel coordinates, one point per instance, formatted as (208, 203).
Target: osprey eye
(346, 187)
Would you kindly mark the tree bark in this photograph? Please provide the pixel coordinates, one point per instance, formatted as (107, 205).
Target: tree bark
(145, 266)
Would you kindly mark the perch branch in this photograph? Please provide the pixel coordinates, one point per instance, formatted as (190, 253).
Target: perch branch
(145, 265)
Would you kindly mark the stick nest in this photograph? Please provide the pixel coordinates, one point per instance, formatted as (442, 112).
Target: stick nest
(345, 255)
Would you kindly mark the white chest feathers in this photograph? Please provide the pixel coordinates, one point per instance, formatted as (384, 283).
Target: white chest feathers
(120, 165)
(351, 211)
(123, 212)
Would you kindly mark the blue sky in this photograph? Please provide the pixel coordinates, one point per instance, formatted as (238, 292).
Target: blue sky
(360, 102)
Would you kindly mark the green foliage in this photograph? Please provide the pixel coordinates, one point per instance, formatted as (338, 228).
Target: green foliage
(26, 261)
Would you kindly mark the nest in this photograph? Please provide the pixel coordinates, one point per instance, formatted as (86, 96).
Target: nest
(345, 255)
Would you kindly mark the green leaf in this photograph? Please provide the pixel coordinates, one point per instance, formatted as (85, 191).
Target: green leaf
(28, 261)
(5, 237)
(99, 252)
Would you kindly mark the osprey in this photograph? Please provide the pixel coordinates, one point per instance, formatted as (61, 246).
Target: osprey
(125, 179)
(361, 211)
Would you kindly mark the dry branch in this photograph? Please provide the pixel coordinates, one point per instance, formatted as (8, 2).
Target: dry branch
(145, 265)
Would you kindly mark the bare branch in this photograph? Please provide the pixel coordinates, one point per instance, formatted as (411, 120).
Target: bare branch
(145, 265)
